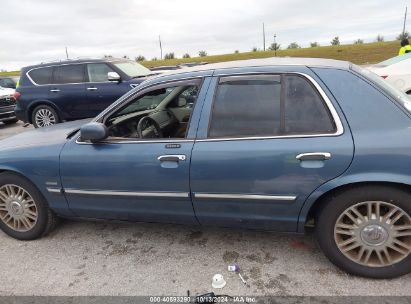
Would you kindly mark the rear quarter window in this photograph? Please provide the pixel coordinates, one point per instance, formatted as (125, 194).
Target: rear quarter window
(41, 75)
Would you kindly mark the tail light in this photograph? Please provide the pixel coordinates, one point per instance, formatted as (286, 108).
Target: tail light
(16, 96)
(385, 76)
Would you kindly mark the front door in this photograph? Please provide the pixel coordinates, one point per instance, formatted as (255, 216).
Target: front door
(271, 140)
(141, 171)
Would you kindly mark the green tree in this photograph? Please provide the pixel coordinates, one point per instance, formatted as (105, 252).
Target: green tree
(140, 58)
(236, 51)
(254, 49)
(379, 38)
(293, 45)
(335, 41)
(154, 59)
(274, 46)
(314, 44)
(186, 55)
(404, 35)
(169, 56)
(359, 41)
(202, 53)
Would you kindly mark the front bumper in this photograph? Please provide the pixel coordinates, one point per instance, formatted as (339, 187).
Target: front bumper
(7, 113)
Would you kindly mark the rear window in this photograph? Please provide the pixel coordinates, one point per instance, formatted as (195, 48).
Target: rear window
(41, 75)
(73, 73)
(394, 60)
(398, 95)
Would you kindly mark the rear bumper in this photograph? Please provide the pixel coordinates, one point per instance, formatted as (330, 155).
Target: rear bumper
(21, 114)
(7, 113)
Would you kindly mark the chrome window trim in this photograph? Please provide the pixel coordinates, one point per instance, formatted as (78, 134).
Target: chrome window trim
(164, 141)
(127, 193)
(234, 196)
(330, 106)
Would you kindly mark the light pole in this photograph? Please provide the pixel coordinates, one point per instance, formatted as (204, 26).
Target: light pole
(275, 45)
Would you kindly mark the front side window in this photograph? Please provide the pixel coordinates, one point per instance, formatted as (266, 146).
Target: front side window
(97, 72)
(41, 75)
(72, 73)
(162, 112)
(268, 105)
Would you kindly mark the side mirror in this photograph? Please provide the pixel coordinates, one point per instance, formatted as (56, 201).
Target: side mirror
(113, 76)
(93, 131)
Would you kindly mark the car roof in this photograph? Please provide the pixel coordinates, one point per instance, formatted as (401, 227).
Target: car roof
(74, 61)
(266, 62)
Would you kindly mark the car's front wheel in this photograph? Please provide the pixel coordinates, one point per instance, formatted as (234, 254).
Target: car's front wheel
(366, 231)
(44, 116)
(24, 213)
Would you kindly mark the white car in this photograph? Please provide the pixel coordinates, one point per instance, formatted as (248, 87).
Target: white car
(7, 105)
(396, 71)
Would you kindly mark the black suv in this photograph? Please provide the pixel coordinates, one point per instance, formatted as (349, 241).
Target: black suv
(49, 93)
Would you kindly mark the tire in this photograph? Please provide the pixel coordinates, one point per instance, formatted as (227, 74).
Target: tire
(372, 234)
(11, 121)
(23, 215)
(44, 116)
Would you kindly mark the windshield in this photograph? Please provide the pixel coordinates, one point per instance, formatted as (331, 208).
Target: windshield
(394, 60)
(402, 98)
(132, 69)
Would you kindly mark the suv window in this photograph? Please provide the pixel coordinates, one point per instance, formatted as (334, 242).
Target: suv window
(268, 105)
(97, 72)
(41, 75)
(71, 73)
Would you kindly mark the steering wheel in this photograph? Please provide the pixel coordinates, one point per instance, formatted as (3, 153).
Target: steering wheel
(148, 128)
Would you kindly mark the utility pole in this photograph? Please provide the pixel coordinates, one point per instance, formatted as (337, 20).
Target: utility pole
(263, 36)
(405, 20)
(67, 53)
(161, 47)
(275, 45)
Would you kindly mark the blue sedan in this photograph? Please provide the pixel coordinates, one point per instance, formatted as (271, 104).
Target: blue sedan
(282, 144)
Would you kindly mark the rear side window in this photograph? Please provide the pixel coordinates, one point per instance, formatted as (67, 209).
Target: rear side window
(41, 75)
(97, 72)
(73, 73)
(246, 107)
(305, 111)
(268, 105)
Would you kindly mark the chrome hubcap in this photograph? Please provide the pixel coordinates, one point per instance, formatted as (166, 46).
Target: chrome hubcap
(44, 118)
(374, 234)
(17, 208)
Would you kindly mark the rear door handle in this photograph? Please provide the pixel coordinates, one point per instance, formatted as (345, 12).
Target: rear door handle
(92, 89)
(172, 158)
(314, 156)
(55, 90)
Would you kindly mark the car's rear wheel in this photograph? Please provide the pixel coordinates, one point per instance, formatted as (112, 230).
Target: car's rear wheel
(44, 116)
(24, 212)
(10, 121)
(366, 231)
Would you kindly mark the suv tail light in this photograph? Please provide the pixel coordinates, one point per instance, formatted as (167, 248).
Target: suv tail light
(16, 96)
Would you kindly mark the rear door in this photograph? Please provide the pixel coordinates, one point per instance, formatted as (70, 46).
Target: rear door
(68, 90)
(100, 92)
(265, 142)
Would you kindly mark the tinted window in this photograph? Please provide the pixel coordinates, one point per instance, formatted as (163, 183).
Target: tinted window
(97, 72)
(305, 111)
(69, 74)
(42, 75)
(246, 107)
(7, 83)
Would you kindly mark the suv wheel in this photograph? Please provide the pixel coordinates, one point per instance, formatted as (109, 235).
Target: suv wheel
(44, 116)
(367, 231)
(24, 212)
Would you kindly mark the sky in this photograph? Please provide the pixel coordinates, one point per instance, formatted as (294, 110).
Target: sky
(33, 31)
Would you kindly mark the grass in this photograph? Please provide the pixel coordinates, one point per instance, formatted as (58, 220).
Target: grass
(367, 53)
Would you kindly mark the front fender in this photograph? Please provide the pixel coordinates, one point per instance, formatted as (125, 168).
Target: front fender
(345, 181)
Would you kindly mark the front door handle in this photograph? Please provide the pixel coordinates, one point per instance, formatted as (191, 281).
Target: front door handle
(92, 89)
(172, 158)
(55, 90)
(314, 156)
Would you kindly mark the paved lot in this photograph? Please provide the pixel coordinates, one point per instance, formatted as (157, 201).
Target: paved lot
(81, 258)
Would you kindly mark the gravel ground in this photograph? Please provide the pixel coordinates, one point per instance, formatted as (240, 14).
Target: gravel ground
(103, 258)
